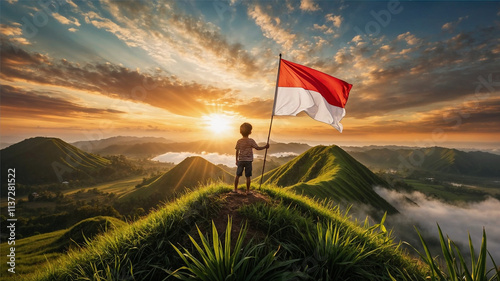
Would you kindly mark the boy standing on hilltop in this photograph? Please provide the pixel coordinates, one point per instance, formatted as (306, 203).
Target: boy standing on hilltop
(244, 155)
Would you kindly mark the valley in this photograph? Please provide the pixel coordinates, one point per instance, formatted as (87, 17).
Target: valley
(48, 211)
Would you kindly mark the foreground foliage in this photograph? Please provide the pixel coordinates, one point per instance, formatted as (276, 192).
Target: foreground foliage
(294, 238)
(456, 267)
(220, 261)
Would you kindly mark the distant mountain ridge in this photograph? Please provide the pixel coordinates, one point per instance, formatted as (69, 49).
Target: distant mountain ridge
(330, 172)
(432, 159)
(150, 147)
(95, 146)
(49, 160)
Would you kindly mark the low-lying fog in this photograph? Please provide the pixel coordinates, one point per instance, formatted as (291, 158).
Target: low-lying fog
(456, 221)
(213, 157)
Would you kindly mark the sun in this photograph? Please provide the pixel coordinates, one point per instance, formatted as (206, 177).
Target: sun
(218, 123)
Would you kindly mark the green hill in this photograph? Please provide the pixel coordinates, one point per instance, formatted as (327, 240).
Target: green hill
(190, 173)
(32, 252)
(148, 149)
(284, 235)
(95, 146)
(48, 160)
(85, 230)
(329, 172)
(433, 160)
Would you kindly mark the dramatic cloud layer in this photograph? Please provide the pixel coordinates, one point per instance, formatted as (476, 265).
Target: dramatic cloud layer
(193, 58)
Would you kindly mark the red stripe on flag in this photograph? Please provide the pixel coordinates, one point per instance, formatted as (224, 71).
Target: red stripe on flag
(335, 91)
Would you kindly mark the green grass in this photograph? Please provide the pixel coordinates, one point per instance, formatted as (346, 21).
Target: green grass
(31, 253)
(190, 173)
(119, 187)
(218, 260)
(456, 267)
(144, 249)
(49, 160)
(291, 234)
(447, 193)
(328, 172)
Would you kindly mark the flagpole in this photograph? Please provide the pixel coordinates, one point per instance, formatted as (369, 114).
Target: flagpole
(271, 123)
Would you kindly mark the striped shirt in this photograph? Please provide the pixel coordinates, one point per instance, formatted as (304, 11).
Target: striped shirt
(244, 146)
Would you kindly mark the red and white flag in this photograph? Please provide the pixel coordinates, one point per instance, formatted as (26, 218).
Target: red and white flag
(321, 96)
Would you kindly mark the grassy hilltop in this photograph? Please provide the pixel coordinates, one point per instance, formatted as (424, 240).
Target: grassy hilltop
(328, 172)
(190, 173)
(34, 251)
(291, 229)
(292, 236)
(40, 160)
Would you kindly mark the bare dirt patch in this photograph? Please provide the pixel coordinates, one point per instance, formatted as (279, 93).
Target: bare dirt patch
(231, 203)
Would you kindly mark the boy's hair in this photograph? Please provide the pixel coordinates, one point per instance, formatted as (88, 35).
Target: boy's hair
(245, 129)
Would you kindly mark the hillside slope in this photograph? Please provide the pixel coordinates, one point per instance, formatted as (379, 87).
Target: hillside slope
(94, 146)
(287, 231)
(48, 160)
(190, 173)
(329, 172)
(32, 252)
(432, 159)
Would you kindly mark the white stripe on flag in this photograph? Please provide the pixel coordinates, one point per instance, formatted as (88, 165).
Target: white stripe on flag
(291, 101)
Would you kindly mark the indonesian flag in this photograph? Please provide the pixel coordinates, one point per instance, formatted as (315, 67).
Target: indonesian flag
(321, 96)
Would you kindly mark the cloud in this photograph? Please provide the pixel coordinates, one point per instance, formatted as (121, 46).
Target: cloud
(388, 77)
(8, 30)
(210, 39)
(13, 33)
(309, 6)
(271, 28)
(324, 28)
(64, 20)
(409, 38)
(474, 114)
(455, 220)
(142, 24)
(156, 89)
(32, 104)
(450, 26)
(336, 20)
(255, 108)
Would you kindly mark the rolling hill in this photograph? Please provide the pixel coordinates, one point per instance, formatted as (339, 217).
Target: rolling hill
(433, 160)
(328, 172)
(293, 236)
(42, 160)
(34, 251)
(94, 146)
(190, 173)
(137, 150)
(87, 229)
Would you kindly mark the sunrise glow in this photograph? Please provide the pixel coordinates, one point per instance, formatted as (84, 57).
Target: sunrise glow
(218, 123)
(416, 82)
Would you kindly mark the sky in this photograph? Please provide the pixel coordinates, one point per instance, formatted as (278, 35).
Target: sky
(424, 73)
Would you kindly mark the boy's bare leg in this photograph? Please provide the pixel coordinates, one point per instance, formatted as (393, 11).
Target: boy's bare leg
(236, 181)
(248, 184)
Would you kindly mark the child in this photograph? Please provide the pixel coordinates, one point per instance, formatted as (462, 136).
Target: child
(244, 155)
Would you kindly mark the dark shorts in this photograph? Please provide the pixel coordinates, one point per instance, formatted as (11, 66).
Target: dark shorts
(247, 165)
